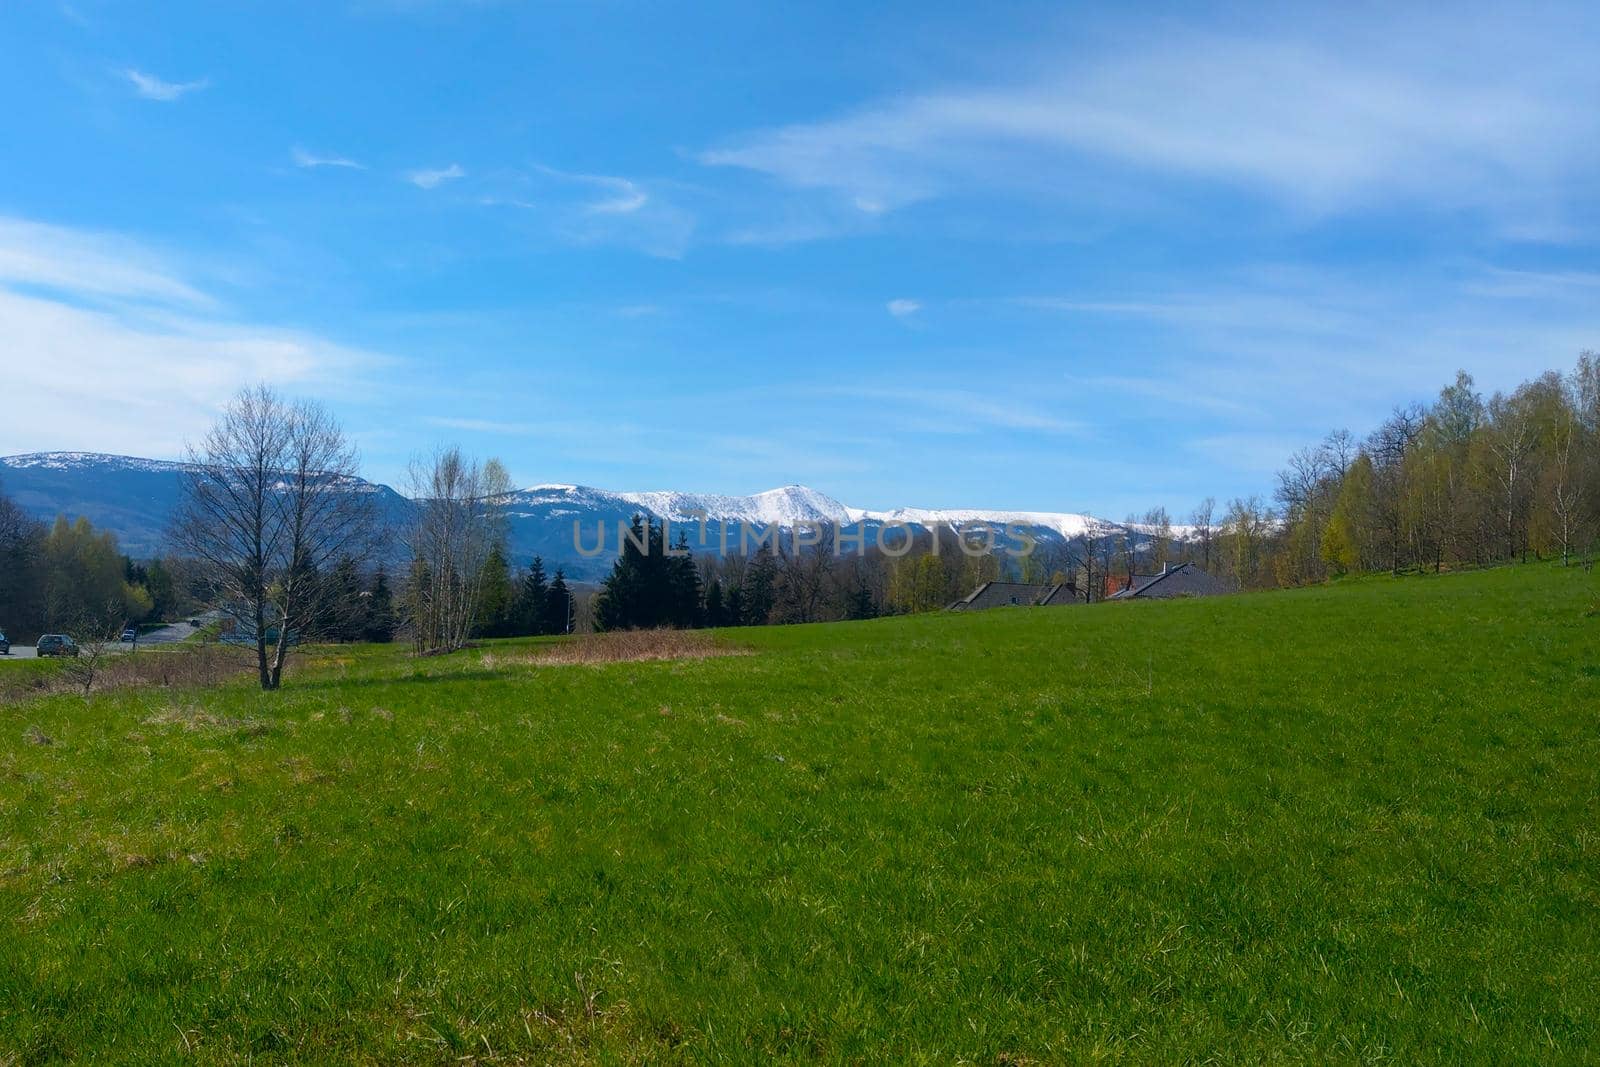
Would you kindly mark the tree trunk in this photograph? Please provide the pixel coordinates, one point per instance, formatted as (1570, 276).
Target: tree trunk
(261, 648)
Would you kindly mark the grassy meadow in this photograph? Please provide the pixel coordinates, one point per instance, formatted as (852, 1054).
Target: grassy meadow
(1353, 823)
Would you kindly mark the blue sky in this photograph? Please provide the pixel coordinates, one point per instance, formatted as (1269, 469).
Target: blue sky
(1014, 255)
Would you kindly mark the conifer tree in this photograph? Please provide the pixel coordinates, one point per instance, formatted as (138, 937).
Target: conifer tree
(495, 595)
(344, 615)
(558, 605)
(715, 613)
(760, 588)
(682, 587)
(380, 619)
(532, 593)
(647, 586)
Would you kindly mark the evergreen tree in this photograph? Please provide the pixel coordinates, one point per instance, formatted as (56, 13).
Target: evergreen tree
(379, 623)
(532, 593)
(858, 603)
(647, 587)
(715, 613)
(733, 614)
(683, 587)
(496, 596)
(760, 588)
(558, 605)
(344, 614)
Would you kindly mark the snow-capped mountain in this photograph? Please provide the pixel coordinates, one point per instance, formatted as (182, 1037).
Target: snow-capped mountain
(135, 498)
(787, 506)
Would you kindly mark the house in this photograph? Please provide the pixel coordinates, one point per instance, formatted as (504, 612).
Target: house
(1018, 594)
(1183, 580)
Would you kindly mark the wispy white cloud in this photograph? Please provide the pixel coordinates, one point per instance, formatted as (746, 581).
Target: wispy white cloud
(624, 196)
(903, 308)
(304, 158)
(628, 199)
(109, 349)
(1316, 124)
(432, 179)
(87, 263)
(588, 209)
(153, 88)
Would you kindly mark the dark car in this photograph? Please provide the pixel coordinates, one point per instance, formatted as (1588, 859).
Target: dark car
(130, 634)
(5, 645)
(56, 645)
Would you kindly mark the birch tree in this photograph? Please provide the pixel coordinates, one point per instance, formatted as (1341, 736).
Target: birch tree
(458, 521)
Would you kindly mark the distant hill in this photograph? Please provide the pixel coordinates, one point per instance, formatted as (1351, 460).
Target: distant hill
(135, 498)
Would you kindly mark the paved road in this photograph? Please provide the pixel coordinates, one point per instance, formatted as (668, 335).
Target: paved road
(167, 635)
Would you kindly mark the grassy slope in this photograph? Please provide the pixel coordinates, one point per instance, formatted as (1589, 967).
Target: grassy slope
(1347, 823)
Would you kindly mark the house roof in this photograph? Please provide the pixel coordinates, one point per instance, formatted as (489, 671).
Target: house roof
(1061, 593)
(1183, 580)
(1020, 594)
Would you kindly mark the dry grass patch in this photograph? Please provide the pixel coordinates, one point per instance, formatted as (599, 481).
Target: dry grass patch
(197, 666)
(192, 717)
(634, 646)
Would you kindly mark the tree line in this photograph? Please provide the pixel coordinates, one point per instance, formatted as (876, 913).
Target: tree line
(70, 577)
(1463, 480)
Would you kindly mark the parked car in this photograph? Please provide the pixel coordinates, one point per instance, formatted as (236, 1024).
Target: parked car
(5, 645)
(56, 645)
(130, 634)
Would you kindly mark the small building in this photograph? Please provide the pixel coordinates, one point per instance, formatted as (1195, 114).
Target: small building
(1018, 594)
(1181, 581)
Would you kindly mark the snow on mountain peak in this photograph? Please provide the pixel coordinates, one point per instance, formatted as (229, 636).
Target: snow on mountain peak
(785, 506)
(78, 460)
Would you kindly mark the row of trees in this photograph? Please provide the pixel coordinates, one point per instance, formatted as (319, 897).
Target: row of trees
(799, 582)
(356, 605)
(1463, 480)
(70, 576)
(274, 520)
(524, 605)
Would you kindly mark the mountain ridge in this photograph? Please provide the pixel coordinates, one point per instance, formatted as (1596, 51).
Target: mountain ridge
(133, 497)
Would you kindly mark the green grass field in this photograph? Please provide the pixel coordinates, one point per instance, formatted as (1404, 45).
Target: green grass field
(1357, 823)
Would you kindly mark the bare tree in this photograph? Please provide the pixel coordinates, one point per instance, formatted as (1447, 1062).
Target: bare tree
(1303, 494)
(1205, 529)
(1246, 527)
(1339, 450)
(458, 521)
(98, 628)
(271, 499)
(1389, 447)
(1084, 554)
(1158, 528)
